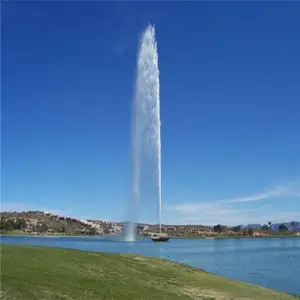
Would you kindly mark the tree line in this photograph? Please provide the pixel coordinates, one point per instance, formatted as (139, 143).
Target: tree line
(247, 231)
(10, 224)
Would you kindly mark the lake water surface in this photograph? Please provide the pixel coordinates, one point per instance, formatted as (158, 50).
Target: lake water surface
(269, 262)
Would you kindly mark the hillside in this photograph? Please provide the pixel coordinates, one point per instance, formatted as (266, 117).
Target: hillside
(36, 222)
(43, 223)
(50, 273)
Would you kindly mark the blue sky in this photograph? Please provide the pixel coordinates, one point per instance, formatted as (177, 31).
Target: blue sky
(230, 106)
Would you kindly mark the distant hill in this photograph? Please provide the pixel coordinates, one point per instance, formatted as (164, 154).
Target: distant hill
(292, 226)
(38, 222)
(254, 226)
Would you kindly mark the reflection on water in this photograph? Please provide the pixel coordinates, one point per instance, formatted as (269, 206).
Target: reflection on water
(270, 262)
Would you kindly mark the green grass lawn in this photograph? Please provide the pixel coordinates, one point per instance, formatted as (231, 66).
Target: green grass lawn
(15, 232)
(52, 273)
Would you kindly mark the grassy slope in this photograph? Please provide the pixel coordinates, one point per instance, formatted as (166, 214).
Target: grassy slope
(52, 273)
(16, 233)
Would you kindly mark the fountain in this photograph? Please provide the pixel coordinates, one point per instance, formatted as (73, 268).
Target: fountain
(146, 136)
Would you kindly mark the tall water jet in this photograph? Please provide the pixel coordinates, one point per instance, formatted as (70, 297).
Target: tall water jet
(146, 135)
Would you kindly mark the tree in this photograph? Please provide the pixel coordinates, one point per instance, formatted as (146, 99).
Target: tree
(265, 227)
(92, 231)
(4, 225)
(218, 228)
(245, 232)
(250, 231)
(42, 228)
(20, 224)
(237, 228)
(12, 224)
(283, 228)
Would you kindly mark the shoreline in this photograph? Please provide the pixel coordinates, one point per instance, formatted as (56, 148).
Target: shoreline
(146, 237)
(240, 237)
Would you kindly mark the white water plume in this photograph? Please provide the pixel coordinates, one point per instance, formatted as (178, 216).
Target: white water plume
(146, 136)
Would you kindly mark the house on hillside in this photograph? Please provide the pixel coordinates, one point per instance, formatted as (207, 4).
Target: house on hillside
(117, 228)
(171, 228)
(181, 228)
(145, 228)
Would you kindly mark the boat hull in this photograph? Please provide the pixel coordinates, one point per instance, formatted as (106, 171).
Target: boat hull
(160, 239)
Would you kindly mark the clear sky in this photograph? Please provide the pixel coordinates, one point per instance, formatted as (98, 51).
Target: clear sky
(230, 108)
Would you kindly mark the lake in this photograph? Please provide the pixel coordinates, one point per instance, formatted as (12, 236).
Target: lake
(269, 262)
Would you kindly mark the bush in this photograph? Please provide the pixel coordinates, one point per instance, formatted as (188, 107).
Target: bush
(12, 224)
